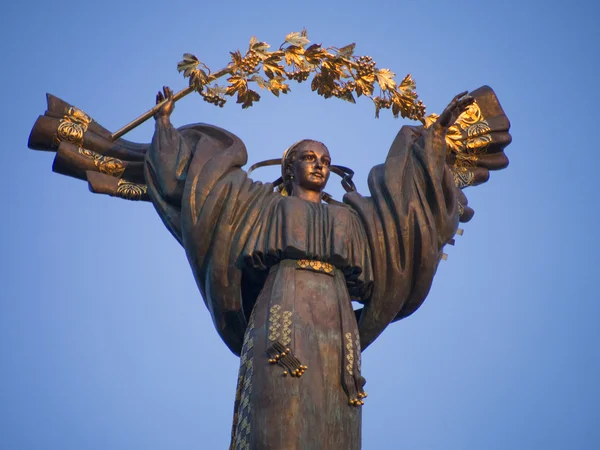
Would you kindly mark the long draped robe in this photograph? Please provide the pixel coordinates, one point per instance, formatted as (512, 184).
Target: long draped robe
(278, 273)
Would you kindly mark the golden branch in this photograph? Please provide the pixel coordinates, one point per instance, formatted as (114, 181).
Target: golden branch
(337, 72)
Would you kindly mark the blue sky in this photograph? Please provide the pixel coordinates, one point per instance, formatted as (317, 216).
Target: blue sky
(104, 339)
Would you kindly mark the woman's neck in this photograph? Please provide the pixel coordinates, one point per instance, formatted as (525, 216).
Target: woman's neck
(306, 194)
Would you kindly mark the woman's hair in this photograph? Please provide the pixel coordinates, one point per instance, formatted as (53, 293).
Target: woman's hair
(289, 156)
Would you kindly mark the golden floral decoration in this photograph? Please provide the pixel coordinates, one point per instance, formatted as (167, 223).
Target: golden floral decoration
(466, 139)
(317, 266)
(336, 72)
(105, 164)
(131, 191)
(72, 127)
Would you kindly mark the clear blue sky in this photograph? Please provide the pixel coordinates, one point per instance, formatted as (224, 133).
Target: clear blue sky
(104, 340)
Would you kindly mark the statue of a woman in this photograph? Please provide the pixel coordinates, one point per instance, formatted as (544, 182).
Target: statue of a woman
(279, 273)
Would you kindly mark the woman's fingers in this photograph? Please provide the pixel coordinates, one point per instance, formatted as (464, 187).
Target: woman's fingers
(465, 101)
(458, 96)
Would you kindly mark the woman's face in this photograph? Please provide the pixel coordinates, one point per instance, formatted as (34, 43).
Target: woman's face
(311, 166)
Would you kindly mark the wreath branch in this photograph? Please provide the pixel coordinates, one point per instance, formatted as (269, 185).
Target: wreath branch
(337, 72)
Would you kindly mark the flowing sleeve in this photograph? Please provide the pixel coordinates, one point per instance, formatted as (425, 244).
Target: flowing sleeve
(167, 161)
(197, 185)
(411, 214)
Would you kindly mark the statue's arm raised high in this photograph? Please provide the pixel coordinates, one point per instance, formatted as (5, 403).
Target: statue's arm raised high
(169, 156)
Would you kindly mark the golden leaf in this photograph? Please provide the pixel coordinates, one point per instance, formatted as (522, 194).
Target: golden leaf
(385, 78)
(236, 59)
(347, 95)
(297, 38)
(294, 55)
(236, 84)
(247, 98)
(406, 104)
(259, 80)
(271, 65)
(275, 85)
(188, 64)
(260, 47)
(347, 51)
(431, 119)
(407, 84)
(454, 139)
(364, 85)
(337, 67)
(216, 90)
(315, 53)
(323, 83)
(198, 79)
(454, 133)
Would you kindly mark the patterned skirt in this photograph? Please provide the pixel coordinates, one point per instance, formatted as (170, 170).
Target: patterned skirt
(299, 384)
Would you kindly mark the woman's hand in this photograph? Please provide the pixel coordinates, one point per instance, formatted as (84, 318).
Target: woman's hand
(166, 109)
(455, 108)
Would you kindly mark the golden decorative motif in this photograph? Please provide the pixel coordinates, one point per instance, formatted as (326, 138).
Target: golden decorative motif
(350, 355)
(337, 73)
(463, 177)
(357, 343)
(286, 333)
(72, 126)
(241, 417)
(76, 115)
(467, 138)
(70, 132)
(104, 164)
(466, 160)
(478, 129)
(470, 116)
(479, 143)
(131, 191)
(279, 352)
(274, 324)
(284, 357)
(469, 132)
(317, 266)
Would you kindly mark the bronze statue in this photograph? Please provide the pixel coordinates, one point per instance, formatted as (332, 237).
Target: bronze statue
(279, 264)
